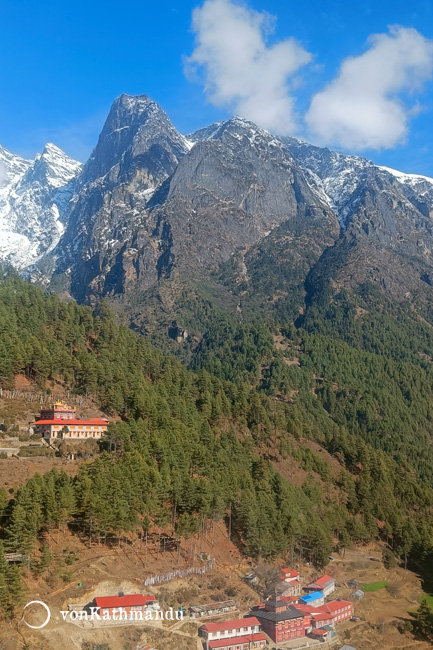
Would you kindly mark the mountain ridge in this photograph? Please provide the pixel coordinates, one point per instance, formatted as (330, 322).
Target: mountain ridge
(235, 208)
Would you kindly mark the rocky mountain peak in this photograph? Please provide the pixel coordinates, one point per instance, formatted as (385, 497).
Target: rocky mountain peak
(53, 167)
(137, 134)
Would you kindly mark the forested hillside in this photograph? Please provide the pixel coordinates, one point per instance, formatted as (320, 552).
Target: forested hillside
(194, 445)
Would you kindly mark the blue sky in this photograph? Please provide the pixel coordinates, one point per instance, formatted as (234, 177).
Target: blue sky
(63, 64)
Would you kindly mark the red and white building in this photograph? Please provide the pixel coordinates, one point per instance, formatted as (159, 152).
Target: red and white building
(60, 422)
(291, 580)
(317, 617)
(232, 632)
(340, 610)
(109, 605)
(58, 411)
(325, 584)
(289, 575)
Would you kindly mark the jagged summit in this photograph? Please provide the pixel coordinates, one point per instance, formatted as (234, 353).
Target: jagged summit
(54, 167)
(136, 132)
(138, 149)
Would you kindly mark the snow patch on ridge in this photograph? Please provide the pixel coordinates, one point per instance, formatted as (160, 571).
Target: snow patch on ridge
(412, 179)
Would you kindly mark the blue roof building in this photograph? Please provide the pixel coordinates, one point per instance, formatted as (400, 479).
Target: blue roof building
(315, 599)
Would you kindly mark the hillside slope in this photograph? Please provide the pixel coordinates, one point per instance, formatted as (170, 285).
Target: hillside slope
(192, 444)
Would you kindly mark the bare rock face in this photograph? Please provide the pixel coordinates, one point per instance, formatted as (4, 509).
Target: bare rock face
(151, 206)
(386, 219)
(137, 150)
(232, 190)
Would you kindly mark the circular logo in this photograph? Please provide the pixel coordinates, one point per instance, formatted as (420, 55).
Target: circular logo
(38, 602)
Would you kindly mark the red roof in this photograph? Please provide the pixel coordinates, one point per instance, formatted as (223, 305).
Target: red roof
(66, 423)
(289, 599)
(323, 580)
(333, 606)
(289, 573)
(307, 609)
(322, 616)
(319, 583)
(319, 632)
(231, 625)
(129, 600)
(235, 640)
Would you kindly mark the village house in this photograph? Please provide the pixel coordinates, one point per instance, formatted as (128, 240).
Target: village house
(60, 422)
(109, 605)
(290, 600)
(317, 617)
(314, 599)
(289, 583)
(290, 575)
(341, 610)
(231, 631)
(320, 619)
(281, 621)
(283, 588)
(322, 633)
(325, 584)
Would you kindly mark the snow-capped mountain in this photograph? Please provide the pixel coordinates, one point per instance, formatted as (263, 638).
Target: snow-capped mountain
(34, 196)
(264, 221)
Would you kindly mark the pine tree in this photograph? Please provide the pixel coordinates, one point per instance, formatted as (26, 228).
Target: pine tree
(424, 620)
(19, 535)
(15, 588)
(4, 597)
(4, 564)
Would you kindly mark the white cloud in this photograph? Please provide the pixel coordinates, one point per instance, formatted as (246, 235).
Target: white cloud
(241, 71)
(362, 107)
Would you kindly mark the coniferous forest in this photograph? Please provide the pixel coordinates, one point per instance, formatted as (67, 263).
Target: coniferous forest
(192, 443)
